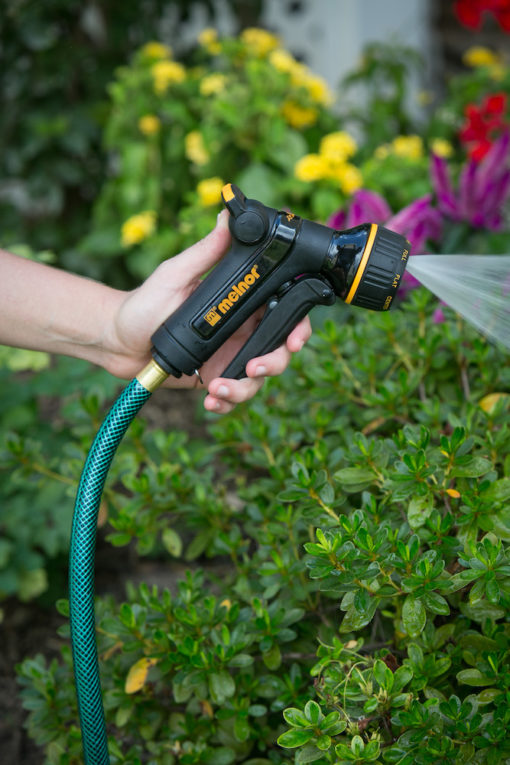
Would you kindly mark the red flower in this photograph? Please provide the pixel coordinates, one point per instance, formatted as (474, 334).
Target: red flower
(483, 125)
(470, 12)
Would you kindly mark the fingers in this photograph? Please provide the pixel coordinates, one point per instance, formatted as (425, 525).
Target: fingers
(299, 335)
(225, 393)
(276, 362)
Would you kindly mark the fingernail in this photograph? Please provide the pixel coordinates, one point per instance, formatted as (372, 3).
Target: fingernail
(260, 371)
(222, 391)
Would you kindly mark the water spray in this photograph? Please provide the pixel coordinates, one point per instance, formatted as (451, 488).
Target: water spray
(476, 286)
(279, 260)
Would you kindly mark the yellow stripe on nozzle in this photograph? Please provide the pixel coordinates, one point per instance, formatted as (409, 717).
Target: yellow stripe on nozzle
(363, 263)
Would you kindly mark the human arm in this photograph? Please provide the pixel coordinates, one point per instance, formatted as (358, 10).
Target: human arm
(44, 308)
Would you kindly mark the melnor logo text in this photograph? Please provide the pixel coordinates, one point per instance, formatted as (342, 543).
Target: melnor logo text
(213, 316)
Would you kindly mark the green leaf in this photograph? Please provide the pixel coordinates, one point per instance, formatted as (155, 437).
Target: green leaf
(473, 467)
(313, 712)
(323, 742)
(295, 717)
(414, 616)
(242, 728)
(297, 737)
(221, 686)
(309, 753)
(354, 478)
(436, 603)
(383, 675)
(473, 677)
(222, 755)
(197, 546)
(172, 542)
(272, 658)
(419, 510)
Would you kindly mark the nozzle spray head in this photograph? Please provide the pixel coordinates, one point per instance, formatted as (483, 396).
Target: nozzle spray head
(365, 265)
(287, 263)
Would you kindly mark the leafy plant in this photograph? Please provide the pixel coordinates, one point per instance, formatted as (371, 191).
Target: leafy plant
(242, 110)
(356, 566)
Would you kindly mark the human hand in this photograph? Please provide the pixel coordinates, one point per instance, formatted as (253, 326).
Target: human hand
(144, 309)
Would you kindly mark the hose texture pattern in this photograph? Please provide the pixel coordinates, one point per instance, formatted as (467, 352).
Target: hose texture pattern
(81, 571)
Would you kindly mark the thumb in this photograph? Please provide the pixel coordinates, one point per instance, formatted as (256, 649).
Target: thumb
(201, 256)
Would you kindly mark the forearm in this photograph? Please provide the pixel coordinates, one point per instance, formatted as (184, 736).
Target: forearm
(45, 309)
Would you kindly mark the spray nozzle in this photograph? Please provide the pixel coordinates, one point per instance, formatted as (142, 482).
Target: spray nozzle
(287, 263)
(365, 265)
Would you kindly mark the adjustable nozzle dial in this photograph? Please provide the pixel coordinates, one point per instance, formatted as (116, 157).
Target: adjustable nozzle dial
(380, 270)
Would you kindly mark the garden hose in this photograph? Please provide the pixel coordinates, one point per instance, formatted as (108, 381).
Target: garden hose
(82, 555)
(277, 259)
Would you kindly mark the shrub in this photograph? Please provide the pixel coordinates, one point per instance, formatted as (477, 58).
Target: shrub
(242, 110)
(352, 531)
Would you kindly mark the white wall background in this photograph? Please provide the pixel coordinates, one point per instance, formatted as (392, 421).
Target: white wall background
(330, 34)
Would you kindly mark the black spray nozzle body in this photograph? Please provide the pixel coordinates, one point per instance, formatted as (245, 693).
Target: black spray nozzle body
(287, 263)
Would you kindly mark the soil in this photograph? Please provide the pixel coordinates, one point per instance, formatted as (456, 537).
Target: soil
(31, 628)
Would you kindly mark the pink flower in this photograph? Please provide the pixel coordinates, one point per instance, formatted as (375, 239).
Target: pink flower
(483, 189)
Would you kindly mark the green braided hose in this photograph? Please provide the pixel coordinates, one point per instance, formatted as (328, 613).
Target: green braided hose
(81, 570)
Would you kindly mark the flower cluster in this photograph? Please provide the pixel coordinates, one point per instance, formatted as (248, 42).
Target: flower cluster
(471, 12)
(418, 222)
(484, 187)
(480, 57)
(483, 124)
(242, 109)
(403, 146)
(331, 163)
(165, 73)
(479, 201)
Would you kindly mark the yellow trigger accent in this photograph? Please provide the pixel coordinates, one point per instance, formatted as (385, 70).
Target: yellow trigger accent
(363, 263)
(227, 192)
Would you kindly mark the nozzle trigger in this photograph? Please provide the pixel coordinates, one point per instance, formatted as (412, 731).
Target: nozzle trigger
(283, 312)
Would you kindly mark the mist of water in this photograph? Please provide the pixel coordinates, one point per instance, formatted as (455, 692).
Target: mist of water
(476, 286)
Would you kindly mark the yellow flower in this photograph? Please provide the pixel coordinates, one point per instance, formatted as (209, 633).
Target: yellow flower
(299, 73)
(283, 61)
(259, 41)
(299, 116)
(213, 83)
(338, 146)
(209, 191)
(477, 56)
(441, 147)
(208, 39)
(408, 146)
(382, 151)
(319, 90)
(311, 167)
(348, 176)
(194, 148)
(165, 73)
(453, 493)
(155, 50)
(138, 227)
(149, 124)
